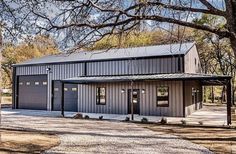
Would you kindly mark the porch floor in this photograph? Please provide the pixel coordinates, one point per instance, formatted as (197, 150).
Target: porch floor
(212, 115)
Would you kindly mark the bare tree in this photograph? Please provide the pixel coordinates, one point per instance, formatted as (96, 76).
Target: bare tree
(87, 21)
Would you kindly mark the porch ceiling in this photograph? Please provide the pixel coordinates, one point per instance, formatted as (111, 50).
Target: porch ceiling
(206, 79)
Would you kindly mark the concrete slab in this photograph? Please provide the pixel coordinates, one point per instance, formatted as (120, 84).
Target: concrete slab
(210, 115)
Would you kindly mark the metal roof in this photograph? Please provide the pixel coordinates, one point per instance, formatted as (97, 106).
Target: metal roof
(178, 76)
(136, 52)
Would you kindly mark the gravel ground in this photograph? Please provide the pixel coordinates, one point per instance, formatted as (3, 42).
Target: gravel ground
(93, 136)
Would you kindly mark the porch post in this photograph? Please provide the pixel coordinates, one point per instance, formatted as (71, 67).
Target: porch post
(229, 102)
(62, 99)
(132, 105)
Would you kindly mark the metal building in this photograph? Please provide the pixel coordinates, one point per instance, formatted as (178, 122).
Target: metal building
(164, 80)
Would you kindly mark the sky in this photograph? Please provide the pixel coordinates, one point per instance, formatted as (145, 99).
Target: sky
(52, 12)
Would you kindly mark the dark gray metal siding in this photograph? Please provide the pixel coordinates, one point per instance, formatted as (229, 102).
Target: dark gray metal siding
(117, 102)
(57, 72)
(139, 66)
(120, 67)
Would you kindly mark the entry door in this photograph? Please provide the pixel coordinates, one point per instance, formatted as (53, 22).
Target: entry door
(135, 100)
(70, 96)
(195, 97)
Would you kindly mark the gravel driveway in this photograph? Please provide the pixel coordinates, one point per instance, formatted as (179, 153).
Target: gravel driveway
(93, 136)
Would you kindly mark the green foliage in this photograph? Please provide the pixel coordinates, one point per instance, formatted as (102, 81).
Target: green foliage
(145, 38)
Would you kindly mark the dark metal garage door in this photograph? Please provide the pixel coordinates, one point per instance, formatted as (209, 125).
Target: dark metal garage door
(32, 92)
(70, 96)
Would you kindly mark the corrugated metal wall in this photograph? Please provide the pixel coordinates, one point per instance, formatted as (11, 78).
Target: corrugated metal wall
(139, 66)
(56, 72)
(119, 67)
(117, 102)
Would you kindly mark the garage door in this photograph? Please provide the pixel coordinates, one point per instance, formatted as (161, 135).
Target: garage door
(32, 92)
(70, 96)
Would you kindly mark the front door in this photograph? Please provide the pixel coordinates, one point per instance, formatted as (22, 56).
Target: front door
(135, 101)
(195, 97)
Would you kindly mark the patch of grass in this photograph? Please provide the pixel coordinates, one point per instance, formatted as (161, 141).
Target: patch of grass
(6, 100)
(218, 140)
(26, 142)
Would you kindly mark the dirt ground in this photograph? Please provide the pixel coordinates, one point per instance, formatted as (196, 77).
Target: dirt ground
(218, 140)
(12, 141)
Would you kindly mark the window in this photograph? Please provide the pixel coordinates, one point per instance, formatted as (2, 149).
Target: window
(20, 83)
(163, 96)
(56, 89)
(36, 83)
(195, 60)
(27, 83)
(45, 83)
(65, 89)
(101, 96)
(179, 64)
(74, 89)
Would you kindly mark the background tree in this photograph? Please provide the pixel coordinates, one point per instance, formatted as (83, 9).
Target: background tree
(85, 22)
(216, 54)
(31, 48)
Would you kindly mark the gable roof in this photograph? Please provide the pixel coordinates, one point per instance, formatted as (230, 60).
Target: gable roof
(123, 53)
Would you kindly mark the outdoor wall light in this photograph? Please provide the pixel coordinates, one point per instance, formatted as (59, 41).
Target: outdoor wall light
(48, 69)
(122, 91)
(143, 91)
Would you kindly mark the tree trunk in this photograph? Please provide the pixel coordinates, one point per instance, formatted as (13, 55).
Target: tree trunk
(233, 45)
(212, 94)
(223, 95)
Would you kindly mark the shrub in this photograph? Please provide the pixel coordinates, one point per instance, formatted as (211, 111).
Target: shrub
(144, 120)
(100, 117)
(78, 116)
(183, 122)
(127, 119)
(163, 120)
(86, 117)
(200, 122)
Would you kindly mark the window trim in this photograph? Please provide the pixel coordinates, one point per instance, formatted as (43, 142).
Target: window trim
(168, 97)
(98, 96)
(36, 83)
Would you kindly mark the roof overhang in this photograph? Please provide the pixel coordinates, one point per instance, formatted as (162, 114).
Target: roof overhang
(205, 79)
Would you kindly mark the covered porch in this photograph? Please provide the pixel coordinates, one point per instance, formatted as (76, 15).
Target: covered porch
(204, 79)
